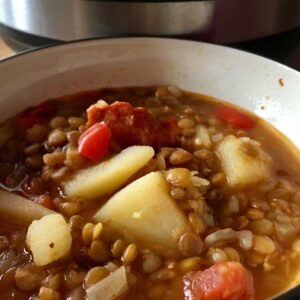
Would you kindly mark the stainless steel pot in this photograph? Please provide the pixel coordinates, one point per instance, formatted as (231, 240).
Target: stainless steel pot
(221, 21)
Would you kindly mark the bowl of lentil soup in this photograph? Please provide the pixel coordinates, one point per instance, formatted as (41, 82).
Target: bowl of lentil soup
(123, 176)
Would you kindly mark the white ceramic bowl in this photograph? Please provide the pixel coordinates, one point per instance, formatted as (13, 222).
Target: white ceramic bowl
(264, 87)
(267, 88)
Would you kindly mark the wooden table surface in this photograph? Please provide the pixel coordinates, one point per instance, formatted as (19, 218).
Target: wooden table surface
(5, 50)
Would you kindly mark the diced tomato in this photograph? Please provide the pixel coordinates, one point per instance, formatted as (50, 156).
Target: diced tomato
(234, 117)
(94, 142)
(133, 125)
(45, 201)
(222, 281)
(28, 122)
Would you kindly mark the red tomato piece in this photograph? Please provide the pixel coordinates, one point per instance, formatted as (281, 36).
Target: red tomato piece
(28, 122)
(45, 201)
(234, 117)
(133, 125)
(94, 142)
(222, 281)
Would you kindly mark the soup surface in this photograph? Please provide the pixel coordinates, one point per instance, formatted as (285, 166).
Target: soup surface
(149, 193)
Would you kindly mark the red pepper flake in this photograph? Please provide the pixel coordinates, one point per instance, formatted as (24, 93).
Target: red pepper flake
(234, 117)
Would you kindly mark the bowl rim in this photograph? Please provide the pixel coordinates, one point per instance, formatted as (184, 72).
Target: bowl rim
(144, 39)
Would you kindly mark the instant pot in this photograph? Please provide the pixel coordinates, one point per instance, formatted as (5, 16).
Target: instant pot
(267, 27)
(220, 21)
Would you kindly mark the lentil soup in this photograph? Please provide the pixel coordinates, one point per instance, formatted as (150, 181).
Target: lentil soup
(148, 193)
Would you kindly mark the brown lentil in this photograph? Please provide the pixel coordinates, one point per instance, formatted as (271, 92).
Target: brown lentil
(161, 92)
(232, 254)
(190, 244)
(57, 137)
(59, 174)
(46, 173)
(188, 132)
(177, 193)
(161, 162)
(87, 233)
(34, 161)
(179, 177)
(217, 178)
(163, 274)
(296, 198)
(37, 133)
(196, 223)
(254, 214)
(70, 209)
(203, 154)
(74, 160)
(191, 264)
(75, 122)
(73, 279)
(150, 262)
(186, 123)
(99, 251)
(54, 159)
(76, 294)
(48, 294)
(170, 263)
(53, 281)
(117, 248)
(94, 275)
(262, 226)
(32, 149)
(129, 254)
(296, 246)
(197, 205)
(180, 156)
(58, 122)
(29, 277)
(73, 137)
(263, 244)
(216, 255)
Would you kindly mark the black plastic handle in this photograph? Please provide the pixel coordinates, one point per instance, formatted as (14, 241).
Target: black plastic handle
(292, 294)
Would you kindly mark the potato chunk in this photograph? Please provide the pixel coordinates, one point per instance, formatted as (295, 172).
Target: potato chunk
(109, 175)
(49, 239)
(109, 288)
(243, 160)
(21, 210)
(143, 212)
